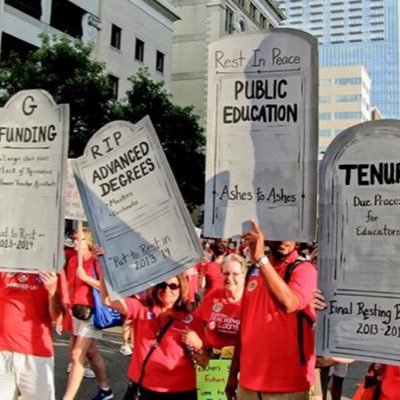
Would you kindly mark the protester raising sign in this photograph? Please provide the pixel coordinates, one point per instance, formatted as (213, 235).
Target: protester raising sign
(134, 207)
(33, 154)
(359, 233)
(262, 134)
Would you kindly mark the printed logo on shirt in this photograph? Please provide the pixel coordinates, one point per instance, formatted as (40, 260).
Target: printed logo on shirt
(188, 319)
(22, 278)
(217, 307)
(255, 272)
(150, 315)
(212, 325)
(10, 274)
(251, 286)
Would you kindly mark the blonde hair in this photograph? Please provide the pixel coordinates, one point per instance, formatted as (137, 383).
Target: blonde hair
(86, 235)
(235, 258)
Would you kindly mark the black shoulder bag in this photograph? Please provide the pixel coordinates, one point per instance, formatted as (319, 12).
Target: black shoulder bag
(133, 391)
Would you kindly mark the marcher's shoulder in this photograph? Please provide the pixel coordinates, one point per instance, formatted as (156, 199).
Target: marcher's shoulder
(135, 306)
(304, 267)
(72, 262)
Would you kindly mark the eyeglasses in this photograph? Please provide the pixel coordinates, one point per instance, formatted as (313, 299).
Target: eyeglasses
(234, 274)
(164, 285)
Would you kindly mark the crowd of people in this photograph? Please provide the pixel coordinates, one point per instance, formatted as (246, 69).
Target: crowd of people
(255, 300)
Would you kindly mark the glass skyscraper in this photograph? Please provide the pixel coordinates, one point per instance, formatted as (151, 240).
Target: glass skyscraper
(356, 32)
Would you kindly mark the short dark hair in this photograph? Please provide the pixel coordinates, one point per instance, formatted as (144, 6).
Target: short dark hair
(219, 247)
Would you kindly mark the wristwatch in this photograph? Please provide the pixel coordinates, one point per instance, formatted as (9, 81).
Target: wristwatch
(262, 262)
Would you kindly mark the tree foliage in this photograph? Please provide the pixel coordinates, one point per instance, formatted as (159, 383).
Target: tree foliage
(178, 129)
(64, 68)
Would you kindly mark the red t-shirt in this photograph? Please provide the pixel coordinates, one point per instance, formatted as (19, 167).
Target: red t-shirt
(25, 319)
(214, 278)
(269, 356)
(221, 318)
(390, 389)
(79, 291)
(169, 368)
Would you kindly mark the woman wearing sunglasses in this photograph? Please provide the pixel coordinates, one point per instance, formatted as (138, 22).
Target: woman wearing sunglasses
(163, 363)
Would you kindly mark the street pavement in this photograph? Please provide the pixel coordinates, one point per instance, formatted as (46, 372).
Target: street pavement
(117, 367)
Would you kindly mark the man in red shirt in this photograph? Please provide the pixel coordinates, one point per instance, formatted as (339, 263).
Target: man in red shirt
(273, 365)
(28, 304)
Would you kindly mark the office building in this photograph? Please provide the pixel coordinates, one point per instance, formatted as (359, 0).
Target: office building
(344, 100)
(356, 32)
(136, 34)
(203, 22)
(125, 34)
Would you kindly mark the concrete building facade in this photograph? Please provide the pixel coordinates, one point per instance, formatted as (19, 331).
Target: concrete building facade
(126, 34)
(23, 21)
(202, 22)
(136, 34)
(344, 100)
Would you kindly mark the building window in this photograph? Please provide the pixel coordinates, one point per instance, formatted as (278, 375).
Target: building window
(116, 36)
(263, 22)
(325, 82)
(114, 84)
(32, 7)
(348, 81)
(348, 98)
(325, 132)
(253, 11)
(228, 20)
(324, 115)
(139, 50)
(160, 61)
(325, 99)
(348, 115)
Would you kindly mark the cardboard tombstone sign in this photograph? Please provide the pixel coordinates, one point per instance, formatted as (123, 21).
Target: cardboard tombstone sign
(73, 204)
(134, 208)
(33, 153)
(262, 134)
(359, 232)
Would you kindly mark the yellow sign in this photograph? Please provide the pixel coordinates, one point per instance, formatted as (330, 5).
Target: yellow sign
(211, 381)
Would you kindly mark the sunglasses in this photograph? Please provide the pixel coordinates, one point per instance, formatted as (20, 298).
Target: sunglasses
(164, 285)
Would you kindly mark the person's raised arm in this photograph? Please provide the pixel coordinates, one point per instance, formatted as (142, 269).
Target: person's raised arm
(91, 281)
(285, 296)
(120, 304)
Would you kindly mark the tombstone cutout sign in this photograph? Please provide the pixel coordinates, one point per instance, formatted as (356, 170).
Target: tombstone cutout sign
(134, 208)
(262, 122)
(73, 203)
(359, 232)
(33, 154)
